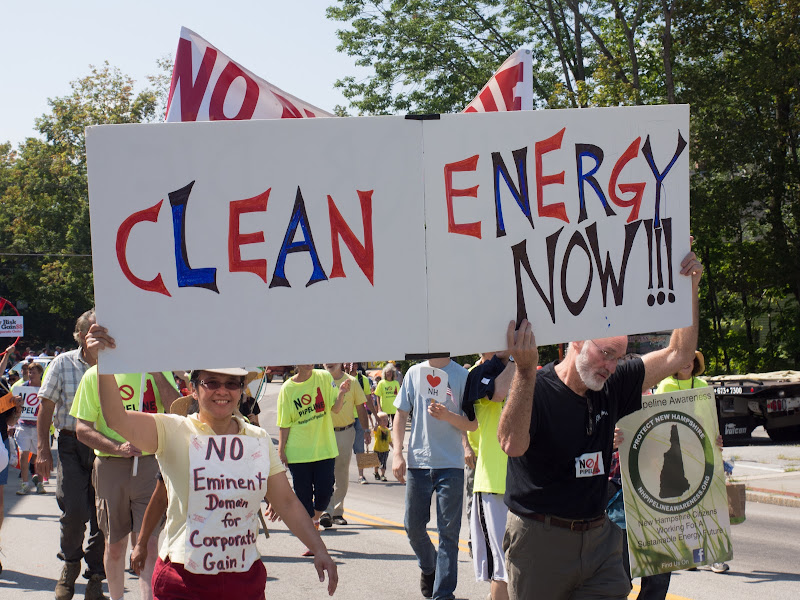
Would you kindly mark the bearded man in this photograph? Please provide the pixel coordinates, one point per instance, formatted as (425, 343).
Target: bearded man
(558, 428)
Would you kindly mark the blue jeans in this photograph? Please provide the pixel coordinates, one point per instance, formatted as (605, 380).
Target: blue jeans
(448, 484)
(358, 442)
(313, 484)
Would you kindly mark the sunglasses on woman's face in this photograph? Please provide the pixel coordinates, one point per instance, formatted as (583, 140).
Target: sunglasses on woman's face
(214, 385)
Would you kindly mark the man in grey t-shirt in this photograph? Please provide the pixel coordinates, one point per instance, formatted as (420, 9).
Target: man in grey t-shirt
(435, 465)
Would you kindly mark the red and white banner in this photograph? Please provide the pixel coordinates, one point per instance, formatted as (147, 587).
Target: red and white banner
(208, 86)
(510, 88)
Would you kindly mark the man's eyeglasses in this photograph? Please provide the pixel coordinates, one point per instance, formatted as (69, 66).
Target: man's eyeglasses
(607, 356)
(214, 385)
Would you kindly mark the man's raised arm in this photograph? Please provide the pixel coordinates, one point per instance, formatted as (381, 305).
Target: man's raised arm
(683, 342)
(515, 420)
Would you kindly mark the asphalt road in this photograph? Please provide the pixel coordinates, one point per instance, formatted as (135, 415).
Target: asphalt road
(375, 560)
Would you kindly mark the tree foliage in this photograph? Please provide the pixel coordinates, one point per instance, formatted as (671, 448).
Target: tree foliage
(741, 75)
(736, 62)
(44, 207)
(435, 55)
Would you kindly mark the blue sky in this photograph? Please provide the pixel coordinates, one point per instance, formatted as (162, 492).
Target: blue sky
(50, 43)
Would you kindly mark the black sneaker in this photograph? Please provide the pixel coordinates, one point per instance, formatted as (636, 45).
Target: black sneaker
(325, 520)
(426, 584)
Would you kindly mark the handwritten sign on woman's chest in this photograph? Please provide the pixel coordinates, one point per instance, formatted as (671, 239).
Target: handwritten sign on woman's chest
(227, 481)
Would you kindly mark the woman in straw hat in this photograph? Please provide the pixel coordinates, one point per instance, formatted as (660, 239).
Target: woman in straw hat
(216, 468)
(687, 378)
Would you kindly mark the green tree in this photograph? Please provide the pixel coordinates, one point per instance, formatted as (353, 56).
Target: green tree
(435, 55)
(736, 62)
(741, 73)
(44, 208)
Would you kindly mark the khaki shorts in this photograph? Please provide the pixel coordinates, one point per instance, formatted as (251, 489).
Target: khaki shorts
(553, 563)
(120, 498)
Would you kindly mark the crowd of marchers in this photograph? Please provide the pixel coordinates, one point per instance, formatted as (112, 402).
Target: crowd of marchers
(508, 433)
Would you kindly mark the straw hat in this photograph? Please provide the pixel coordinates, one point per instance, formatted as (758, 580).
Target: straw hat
(699, 364)
(181, 405)
(234, 371)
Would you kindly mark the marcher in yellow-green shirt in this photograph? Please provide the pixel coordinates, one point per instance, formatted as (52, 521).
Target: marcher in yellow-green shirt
(345, 431)
(307, 444)
(487, 387)
(387, 390)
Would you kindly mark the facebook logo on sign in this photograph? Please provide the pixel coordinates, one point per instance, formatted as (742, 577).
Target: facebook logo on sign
(698, 555)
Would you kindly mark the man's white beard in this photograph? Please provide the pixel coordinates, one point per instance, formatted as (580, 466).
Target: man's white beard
(590, 380)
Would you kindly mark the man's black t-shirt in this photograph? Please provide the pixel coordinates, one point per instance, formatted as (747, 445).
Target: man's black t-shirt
(564, 472)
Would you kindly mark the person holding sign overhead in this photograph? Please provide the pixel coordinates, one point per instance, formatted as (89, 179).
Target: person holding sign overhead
(217, 468)
(432, 392)
(74, 486)
(558, 428)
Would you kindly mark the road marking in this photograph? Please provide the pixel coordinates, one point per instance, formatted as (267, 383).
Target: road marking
(395, 527)
(636, 589)
(751, 466)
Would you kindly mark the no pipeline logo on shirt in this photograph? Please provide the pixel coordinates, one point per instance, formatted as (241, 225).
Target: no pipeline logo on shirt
(671, 462)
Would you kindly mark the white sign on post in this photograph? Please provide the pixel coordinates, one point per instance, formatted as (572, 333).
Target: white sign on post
(575, 219)
(30, 402)
(12, 326)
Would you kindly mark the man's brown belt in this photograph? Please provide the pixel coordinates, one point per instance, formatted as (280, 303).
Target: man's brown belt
(346, 427)
(572, 525)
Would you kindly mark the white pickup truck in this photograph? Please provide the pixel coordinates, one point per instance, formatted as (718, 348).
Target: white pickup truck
(770, 399)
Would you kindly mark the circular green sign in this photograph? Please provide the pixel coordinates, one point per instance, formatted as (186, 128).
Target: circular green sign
(697, 489)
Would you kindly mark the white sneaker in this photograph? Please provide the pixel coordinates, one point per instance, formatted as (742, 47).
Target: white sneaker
(720, 567)
(25, 489)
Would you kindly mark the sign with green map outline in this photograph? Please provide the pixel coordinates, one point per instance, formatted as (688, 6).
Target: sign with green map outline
(673, 482)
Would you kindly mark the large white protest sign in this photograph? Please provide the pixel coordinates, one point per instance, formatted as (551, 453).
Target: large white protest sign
(676, 505)
(30, 402)
(12, 326)
(575, 219)
(254, 240)
(209, 86)
(271, 232)
(228, 479)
